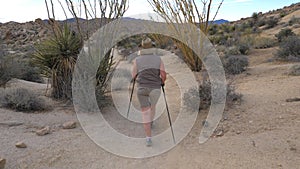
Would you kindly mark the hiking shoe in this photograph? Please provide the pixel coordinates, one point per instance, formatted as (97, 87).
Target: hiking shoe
(148, 142)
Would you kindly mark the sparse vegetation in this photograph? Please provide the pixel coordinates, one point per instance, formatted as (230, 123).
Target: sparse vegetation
(255, 15)
(294, 20)
(289, 49)
(284, 33)
(233, 50)
(294, 70)
(204, 96)
(271, 22)
(21, 99)
(21, 69)
(235, 64)
(244, 48)
(263, 42)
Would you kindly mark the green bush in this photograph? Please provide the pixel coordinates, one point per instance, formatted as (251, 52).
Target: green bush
(284, 33)
(21, 99)
(235, 64)
(255, 15)
(289, 49)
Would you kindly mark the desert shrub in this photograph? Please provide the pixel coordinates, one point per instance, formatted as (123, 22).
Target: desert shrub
(32, 74)
(244, 26)
(213, 29)
(261, 22)
(21, 99)
(203, 95)
(271, 22)
(284, 33)
(235, 64)
(255, 16)
(263, 42)
(227, 28)
(21, 69)
(282, 14)
(243, 48)
(294, 20)
(233, 50)
(294, 70)
(289, 49)
(217, 39)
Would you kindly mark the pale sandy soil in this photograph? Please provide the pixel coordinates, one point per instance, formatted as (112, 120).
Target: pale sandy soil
(261, 132)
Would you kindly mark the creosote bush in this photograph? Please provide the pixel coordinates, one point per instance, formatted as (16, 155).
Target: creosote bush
(235, 64)
(294, 70)
(16, 68)
(272, 22)
(289, 49)
(203, 94)
(244, 48)
(21, 99)
(284, 33)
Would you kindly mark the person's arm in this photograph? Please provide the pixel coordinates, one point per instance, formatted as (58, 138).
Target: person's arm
(163, 74)
(134, 70)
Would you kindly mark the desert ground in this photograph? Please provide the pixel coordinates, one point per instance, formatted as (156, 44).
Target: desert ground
(262, 131)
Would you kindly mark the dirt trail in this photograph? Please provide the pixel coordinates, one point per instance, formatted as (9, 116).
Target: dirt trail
(262, 132)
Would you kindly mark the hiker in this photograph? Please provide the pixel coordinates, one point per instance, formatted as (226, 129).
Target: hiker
(149, 72)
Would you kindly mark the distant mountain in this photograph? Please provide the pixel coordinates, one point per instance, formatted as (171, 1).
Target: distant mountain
(219, 22)
(70, 20)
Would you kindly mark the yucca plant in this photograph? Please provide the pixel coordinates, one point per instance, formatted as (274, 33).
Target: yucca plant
(56, 57)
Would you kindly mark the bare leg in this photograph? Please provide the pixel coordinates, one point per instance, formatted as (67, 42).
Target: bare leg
(147, 120)
(152, 112)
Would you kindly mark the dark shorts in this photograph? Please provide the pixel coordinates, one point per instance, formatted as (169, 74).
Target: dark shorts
(148, 96)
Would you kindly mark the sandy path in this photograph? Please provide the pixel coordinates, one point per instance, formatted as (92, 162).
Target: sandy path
(262, 132)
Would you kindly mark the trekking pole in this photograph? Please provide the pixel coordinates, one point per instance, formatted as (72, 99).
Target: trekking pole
(170, 121)
(131, 96)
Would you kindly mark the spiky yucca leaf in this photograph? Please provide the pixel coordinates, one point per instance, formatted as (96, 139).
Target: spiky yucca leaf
(57, 57)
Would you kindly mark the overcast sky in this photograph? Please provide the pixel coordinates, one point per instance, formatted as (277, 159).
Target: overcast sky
(29, 10)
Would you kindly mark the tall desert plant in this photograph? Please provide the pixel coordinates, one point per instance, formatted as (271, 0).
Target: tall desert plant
(176, 12)
(56, 57)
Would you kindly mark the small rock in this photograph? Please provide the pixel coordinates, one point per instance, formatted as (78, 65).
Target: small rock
(69, 125)
(220, 133)
(43, 131)
(238, 132)
(2, 163)
(21, 145)
(293, 100)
